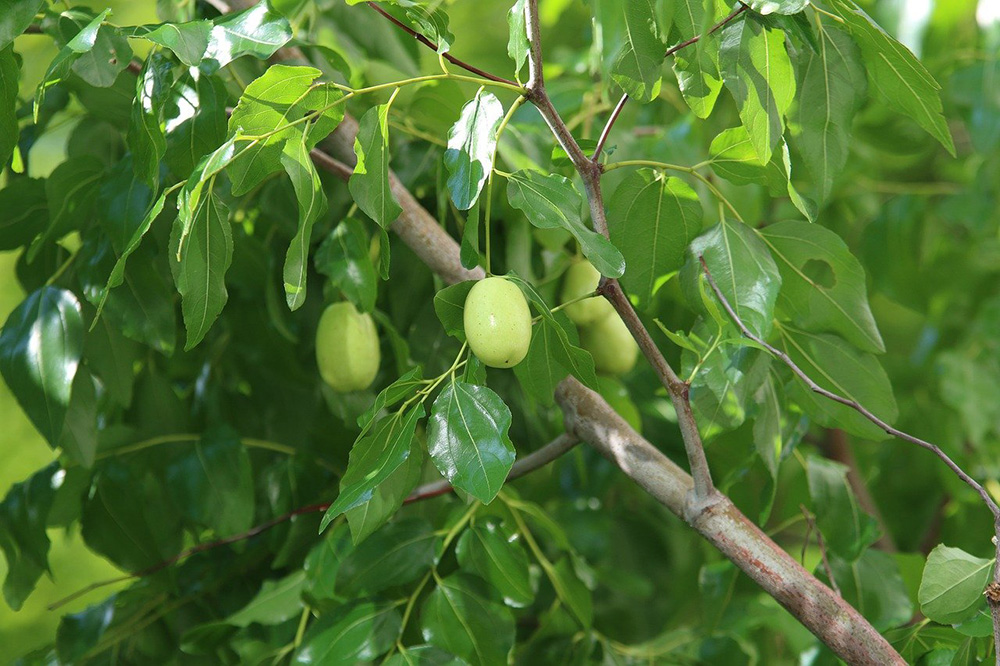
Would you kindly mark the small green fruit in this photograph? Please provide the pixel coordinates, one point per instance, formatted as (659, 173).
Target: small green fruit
(611, 344)
(497, 322)
(581, 279)
(347, 349)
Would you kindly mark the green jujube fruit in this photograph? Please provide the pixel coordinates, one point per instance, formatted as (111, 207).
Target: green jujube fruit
(581, 279)
(611, 344)
(497, 322)
(347, 348)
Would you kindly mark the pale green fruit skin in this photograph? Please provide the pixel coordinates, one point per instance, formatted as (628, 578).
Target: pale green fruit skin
(347, 349)
(581, 279)
(497, 322)
(611, 344)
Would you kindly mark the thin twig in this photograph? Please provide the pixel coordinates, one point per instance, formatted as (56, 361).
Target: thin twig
(672, 50)
(434, 47)
(853, 404)
(811, 521)
(529, 463)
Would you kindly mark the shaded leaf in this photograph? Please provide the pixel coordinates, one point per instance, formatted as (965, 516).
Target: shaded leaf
(369, 184)
(312, 206)
(471, 144)
(343, 257)
(353, 633)
(395, 555)
(459, 618)
(847, 529)
(23, 515)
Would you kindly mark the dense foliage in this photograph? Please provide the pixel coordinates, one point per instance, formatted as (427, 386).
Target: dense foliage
(177, 260)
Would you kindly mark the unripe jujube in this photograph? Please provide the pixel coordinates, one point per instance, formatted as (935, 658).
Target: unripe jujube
(497, 322)
(347, 348)
(611, 344)
(581, 279)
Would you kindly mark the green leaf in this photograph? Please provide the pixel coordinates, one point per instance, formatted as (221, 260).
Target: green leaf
(258, 31)
(965, 385)
(213, 484)
(343, 257)
(572, 591)
(896, 73)
(822, 284)
(468, 441)
(124, 518)
(100, 64)
(554, 352)
(146, 139)
(40, 349)
(734, 158)
(471, 144)
(637, 68)
(195, 121)
(838, 367)
(79, 434)
(425, 16)
(952, 585)
(517, 35)
(389, 496)
(71, 191)
(112, 357)
(832, 86)
(424, 655)
(402, 388)
(15, 17)
(742, 267)
(874, 586)
(459, 618)
(652, 219)
(376, 455)
(190, 202)
(765, 7)
(449, 305)
(62, 64)
(847, 529)
(395, 555)
(697, 67)
(354, 633)
(498, 557)
(312, 206)
(759, 74)
(369, 184)
(23, 515)
(278, 600)
(10, 71)
(23, 212)
(188, 41)
(78, 633)
(552, 202)
(201, 272)
(270, 104)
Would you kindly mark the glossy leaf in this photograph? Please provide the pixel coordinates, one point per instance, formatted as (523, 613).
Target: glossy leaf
(758, 73)
(258, 31)
(375, 456)
(25, 545)
(15, 17)
(652, 219)
(213, 484)
(312, 206)
(343, 257)
(554, 353)
(397, 554)
(388, 496)
(10, 72)
(637, 69)
(201, 271)
(468, 441)
(837, 367)
(498, 557)
(517, 40)
(847, 529)
(697, 67)
(62, 64)
(952, 584)
(146, 139)
(358, 632)
(188, 41)
(823, 286)
(278, 600)
(23, 212)
(896, 74)
(832, 86)
(552, 202)
(369, 184)
(766, 7)
(40, 349)
(471, 144)
(744, 270)
(457, 617)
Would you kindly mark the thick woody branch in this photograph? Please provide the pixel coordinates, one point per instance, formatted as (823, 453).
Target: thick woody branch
(815, 605)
